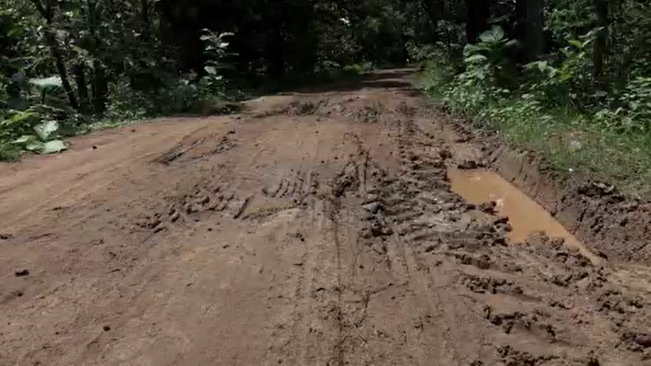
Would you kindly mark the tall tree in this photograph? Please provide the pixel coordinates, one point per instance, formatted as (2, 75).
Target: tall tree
(47, 11)
(478, 13)
(435, 10)
(600, 52)
(79, 72)
(531, 25)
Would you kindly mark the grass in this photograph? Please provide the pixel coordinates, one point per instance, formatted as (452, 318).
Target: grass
(9, 152)
(571, 143)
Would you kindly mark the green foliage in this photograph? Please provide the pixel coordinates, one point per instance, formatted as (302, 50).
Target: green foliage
(631, 113)
(9, 152)
(51, 82)
(88, 63)
(31, 130)
(566, 82)
(215, 52)
(357, 69)
(487, 67)
(421, 53)
(568, 19)
(571, 141)
(18, 123)
(585, 104)
(44, 140)
(636, 100)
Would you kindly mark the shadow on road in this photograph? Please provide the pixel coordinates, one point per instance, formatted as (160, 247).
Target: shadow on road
(380, 79)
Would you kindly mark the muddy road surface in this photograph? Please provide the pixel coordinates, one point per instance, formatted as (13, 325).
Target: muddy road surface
(312, 229)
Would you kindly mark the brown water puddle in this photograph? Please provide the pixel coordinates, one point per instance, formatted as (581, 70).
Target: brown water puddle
(525, 215)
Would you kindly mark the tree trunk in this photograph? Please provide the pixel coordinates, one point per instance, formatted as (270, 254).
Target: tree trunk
(82, 88)
(478, 13)
(531, 25)
(99, 83)
(434, 9)
(61, 68)
(47, 12)
(600, 51)
(144, 13)
(100, 88)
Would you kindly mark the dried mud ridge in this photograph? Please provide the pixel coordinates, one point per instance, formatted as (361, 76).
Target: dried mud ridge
(317, 229)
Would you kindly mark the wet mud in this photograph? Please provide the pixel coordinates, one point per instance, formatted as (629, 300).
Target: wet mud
(320, 228)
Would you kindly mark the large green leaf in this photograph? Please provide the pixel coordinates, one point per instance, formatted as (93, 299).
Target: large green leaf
(54, 146)
(34, 145)
(25, 139)
(31, 143)
(19, 117)
(47, 83)
(470, 49)
(475, 59)
(495, 34)
(46, 129)
(575, 43)
(512, 43)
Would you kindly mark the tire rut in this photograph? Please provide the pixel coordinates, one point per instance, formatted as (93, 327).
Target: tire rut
(321, 229)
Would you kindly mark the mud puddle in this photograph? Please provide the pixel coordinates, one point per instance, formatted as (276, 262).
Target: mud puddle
(525, 215)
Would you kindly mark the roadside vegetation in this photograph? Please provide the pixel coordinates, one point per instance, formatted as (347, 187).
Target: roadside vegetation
(71, 67)
(569, 80)
(68, 67)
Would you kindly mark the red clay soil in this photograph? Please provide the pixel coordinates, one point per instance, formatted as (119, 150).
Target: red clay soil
(313, 229)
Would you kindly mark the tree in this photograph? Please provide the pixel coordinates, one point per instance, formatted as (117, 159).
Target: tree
(435, 10)
(600, 51)
(478, 13)
(47, 11)
(532, 23)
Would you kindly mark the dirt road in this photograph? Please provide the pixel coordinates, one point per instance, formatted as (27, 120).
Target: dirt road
(312, 229)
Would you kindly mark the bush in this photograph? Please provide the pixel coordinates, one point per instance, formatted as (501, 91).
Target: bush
(556, 111)
(9, 152)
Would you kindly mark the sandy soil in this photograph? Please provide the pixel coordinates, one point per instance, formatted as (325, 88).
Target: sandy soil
(313, 229)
